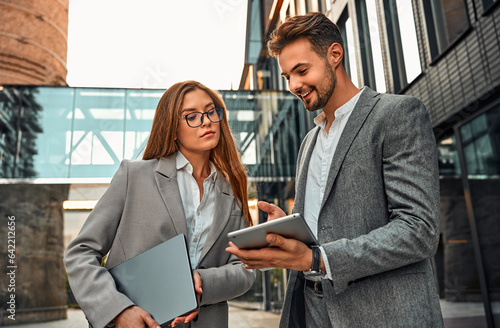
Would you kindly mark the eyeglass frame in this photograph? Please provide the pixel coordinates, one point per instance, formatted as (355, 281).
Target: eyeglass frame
(218, 110)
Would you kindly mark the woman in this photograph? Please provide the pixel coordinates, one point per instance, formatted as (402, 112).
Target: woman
(190, 160)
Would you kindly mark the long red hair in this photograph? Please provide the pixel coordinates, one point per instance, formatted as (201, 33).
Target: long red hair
(225, 156)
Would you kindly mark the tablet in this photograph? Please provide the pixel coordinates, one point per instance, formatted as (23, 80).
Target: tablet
(291, 226)
(159, 280)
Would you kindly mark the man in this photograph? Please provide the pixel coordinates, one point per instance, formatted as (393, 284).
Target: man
(367, 184)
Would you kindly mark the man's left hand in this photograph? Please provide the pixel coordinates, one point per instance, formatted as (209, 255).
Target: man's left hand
(286, 253)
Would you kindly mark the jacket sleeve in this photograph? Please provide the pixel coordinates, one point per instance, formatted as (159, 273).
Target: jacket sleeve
(410, 182)
(91, 283)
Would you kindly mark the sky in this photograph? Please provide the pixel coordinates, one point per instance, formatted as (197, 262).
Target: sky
(156, 43)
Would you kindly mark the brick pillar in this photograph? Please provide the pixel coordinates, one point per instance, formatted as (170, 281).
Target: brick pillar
(33, 42)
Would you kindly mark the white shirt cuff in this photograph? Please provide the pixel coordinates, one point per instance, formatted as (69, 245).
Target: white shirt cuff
(327, 265)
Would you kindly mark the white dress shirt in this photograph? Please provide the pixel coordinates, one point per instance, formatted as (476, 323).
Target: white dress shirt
(319, 166)
(199, 214)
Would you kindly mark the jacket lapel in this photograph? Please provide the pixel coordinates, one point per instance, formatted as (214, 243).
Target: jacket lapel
(365, 104)
(166, 182)
(222, 213)
(303, 167)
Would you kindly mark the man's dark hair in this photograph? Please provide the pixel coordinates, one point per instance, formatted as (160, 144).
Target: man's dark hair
(316, 27)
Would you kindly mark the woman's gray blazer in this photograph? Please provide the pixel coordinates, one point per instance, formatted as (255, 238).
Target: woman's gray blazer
(142, 208)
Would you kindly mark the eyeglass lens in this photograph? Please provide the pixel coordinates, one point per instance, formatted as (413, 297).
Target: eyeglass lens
(196, 119)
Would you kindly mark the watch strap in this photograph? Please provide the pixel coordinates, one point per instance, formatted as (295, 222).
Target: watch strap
(316, 260)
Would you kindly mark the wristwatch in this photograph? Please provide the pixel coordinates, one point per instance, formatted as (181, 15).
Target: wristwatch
(315, 270)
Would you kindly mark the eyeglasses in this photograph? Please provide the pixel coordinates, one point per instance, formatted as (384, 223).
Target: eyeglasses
(195, 119)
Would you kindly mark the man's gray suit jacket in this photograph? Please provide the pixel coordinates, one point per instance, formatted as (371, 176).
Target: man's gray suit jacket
(142, 208)
(379, 219)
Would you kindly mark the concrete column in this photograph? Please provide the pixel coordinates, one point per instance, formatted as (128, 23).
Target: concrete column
(31, 218)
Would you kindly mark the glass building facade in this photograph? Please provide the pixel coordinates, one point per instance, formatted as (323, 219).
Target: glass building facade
(444, 52)
(78, 136)
(54, 133)
(467, 263)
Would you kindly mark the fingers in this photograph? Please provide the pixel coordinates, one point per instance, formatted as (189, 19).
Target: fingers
(287, 253)
(233, 249)
(185, 318)
(245, 255)
(264, 206)
(198, 287)
(177, 321)
(150, 321)
(198, 282)
(273, 211)
(191, 316)
(134, 316)
(252, 258)
(277, 240)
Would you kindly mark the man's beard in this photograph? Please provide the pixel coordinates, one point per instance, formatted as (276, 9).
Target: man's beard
(325, 93)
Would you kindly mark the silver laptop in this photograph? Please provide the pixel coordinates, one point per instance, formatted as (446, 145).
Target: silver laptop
(159, 280)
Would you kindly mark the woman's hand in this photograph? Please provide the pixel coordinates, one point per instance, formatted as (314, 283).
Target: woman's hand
(135, 317)
(198, 287)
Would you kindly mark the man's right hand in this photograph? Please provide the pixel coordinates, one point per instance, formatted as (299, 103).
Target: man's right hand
(273, 211)
(135, 317)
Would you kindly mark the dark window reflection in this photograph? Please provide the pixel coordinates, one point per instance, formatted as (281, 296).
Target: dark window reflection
(448, 157)
(19, 127)
(446, 21)
(488, 4)
(455, 260)
(481, 143)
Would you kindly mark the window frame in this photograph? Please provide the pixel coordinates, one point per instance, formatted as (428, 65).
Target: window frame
(346, 60)
(432, 36)
(488, 8)
(366, 52)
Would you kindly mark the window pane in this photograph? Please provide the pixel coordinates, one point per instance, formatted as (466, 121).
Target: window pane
(481, 143)
(353, 73)
(20, 127)
(141, 108)
(409, 39)
(56, 118)
(448, 157)
(98, 138)
(456, 264)
(487, 4)
(378, 64)
(446, 22)
(299, 7)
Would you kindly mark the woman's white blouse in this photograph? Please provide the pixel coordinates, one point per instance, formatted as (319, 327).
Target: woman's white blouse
(199, 214)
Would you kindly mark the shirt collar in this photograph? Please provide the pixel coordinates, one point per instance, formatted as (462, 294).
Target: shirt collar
(181, 162)
(346, 108)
